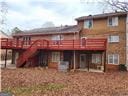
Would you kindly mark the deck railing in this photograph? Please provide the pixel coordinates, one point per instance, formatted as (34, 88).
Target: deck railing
(87, 44)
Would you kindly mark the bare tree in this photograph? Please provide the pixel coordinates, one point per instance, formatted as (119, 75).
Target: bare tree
(3, 13)
(121, 5)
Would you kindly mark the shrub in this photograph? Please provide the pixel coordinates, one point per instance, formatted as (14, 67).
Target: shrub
(122, 67)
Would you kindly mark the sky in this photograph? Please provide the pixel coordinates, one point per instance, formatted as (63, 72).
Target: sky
(29, 14)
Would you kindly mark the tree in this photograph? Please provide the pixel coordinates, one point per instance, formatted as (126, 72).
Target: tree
(16, 30)
(3, 15)
(48, 24)
(121, 5)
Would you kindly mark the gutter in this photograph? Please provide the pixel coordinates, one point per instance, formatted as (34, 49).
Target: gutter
(39, 34)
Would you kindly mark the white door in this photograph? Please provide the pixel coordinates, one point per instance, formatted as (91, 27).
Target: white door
(83, 63)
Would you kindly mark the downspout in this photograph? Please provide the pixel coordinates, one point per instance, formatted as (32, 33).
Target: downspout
(74, 57)
(127, 41)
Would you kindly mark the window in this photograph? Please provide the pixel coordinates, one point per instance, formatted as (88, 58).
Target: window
(27, 40)
(56, 39)
(113, 21)
(113, 59)
(96, 58)
(113, 39)
(88, 23)
(55, 56)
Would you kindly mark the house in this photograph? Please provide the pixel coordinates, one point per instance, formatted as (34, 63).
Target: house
(96, 43)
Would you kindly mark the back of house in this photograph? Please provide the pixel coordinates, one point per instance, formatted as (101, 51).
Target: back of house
(96, 43)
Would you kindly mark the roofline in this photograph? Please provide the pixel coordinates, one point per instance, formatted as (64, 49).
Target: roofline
(99, 16)
(39, 34)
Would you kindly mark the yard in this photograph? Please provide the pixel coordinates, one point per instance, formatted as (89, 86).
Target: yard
(49, 82)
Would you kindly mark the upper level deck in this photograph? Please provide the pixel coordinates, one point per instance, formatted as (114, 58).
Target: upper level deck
(85, 44)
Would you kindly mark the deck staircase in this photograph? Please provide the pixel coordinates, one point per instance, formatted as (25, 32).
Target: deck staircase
(24, 57)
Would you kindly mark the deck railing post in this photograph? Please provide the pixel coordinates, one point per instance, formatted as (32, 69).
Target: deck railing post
(58, 43)
(7, 43)
(85, 43)
(22, 43)
(42, 43)
(73, 43)
(79, 43)
(48, 44)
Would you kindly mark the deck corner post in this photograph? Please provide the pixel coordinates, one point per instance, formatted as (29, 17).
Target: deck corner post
(74, 57)
(105, 61)
(6, 58)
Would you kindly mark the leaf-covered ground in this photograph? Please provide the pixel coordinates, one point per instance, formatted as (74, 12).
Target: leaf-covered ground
(49, 82)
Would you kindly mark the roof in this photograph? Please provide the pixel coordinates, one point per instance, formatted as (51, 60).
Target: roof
(50, 30)
(98, 16)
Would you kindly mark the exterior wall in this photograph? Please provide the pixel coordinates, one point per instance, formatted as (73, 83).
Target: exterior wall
(101, 30)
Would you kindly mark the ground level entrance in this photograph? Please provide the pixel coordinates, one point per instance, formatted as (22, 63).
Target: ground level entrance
(91, 61)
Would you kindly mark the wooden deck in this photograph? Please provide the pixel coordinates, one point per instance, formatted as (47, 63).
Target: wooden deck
(88, 44)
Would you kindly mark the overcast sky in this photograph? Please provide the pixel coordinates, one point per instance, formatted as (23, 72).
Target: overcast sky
(29, 14)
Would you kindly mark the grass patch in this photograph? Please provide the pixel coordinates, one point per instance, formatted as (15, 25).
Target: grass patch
(34, 89)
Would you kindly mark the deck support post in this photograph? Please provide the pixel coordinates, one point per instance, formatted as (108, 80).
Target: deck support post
(74, 57)
(74, 53)
(12, 57)
(105, 61)
(6, 58)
